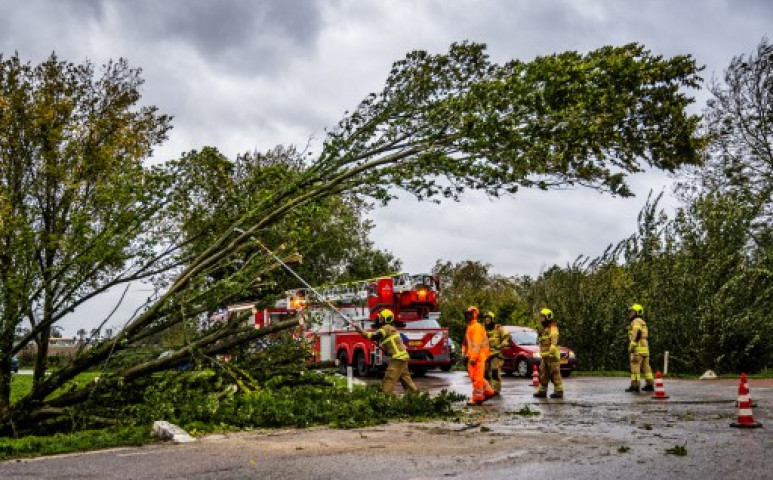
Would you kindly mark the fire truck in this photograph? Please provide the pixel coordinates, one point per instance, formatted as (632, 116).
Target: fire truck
(328, 321)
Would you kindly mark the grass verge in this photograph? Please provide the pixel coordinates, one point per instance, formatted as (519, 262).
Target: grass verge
(34, 446)
(21, 385)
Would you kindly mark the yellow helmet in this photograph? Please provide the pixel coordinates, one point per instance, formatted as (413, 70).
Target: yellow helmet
(386, 315)
(637, 308)
(548, 313)
(489, 315)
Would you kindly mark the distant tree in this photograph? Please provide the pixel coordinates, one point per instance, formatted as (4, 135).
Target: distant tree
(81, 333)
(469, 283)
(56, 332)
(740, 122)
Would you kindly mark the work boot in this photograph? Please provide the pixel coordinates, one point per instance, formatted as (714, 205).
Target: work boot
(495, 394)
(557, 395)
(475, 403)
(632, 389)
(541, 394)
(648, 388)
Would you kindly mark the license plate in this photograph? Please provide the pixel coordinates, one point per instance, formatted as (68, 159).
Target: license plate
(564, 362)
(415, 343)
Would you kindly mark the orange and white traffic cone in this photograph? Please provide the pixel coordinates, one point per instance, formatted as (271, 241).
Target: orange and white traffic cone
(535, 377)
(746, 382)
(745, 415)
(660, 391)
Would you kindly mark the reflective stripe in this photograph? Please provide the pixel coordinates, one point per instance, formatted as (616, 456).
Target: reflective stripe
(391, 343)
(395, 343)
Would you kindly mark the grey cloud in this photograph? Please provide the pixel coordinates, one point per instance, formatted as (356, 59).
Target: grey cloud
(239, 36)
(242, 36)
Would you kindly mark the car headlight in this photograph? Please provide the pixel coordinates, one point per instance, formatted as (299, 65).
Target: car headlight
(571, 354)
(536, 355)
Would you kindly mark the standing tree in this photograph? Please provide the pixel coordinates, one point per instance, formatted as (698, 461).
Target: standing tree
(75, 199)
(740, 123)
(81, 333)
(442, 123)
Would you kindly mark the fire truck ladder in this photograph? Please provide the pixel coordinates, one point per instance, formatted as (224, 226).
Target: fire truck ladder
(300, 279)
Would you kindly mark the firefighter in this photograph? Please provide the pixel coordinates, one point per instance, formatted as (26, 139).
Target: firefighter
(498, 338)
(550, 363)
(476, 348)
(387, 336)
(639, 350)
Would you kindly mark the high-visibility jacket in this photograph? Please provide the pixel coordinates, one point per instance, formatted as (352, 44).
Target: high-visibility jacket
(637, 336)
(475, 345)
(548, 343)
(498, 338)
(389, 339)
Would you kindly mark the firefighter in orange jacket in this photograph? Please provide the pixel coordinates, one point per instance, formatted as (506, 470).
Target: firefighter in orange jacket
(476, 348)
(389, 339)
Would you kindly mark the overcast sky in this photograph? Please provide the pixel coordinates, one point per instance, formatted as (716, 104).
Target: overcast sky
(248, 75)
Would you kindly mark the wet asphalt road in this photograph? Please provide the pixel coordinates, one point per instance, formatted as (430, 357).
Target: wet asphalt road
(598, 431)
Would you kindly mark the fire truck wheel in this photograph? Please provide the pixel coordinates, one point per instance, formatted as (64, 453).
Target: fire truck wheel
(360, 365)
(419, 370)
(342, 362)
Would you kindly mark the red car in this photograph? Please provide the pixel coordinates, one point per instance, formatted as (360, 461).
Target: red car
(523, 353)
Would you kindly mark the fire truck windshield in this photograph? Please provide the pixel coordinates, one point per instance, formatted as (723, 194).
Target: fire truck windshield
(426, 323)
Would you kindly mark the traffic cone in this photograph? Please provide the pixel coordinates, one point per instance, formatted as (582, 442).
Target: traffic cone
(660, 391)
(746, 382)
(745, 415)
(535, 377)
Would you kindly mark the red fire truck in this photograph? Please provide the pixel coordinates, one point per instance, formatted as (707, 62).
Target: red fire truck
(412, 298)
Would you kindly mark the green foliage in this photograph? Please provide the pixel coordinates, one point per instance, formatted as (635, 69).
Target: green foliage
(205, 402)
(32, 446)
(526, 411)
(705, 289)
(563, 119)
(470, 283)
(326, 241)
(678, 450)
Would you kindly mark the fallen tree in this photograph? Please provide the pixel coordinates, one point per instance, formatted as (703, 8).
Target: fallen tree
(442, 124)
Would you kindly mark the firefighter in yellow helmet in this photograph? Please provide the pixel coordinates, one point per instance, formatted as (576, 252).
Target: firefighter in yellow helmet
(498, 338)
(550, 363)
(388, 338)
(476, 348)
(639, 350)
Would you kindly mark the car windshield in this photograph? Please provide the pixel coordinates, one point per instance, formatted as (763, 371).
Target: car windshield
(525, 338)
(426, 323)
